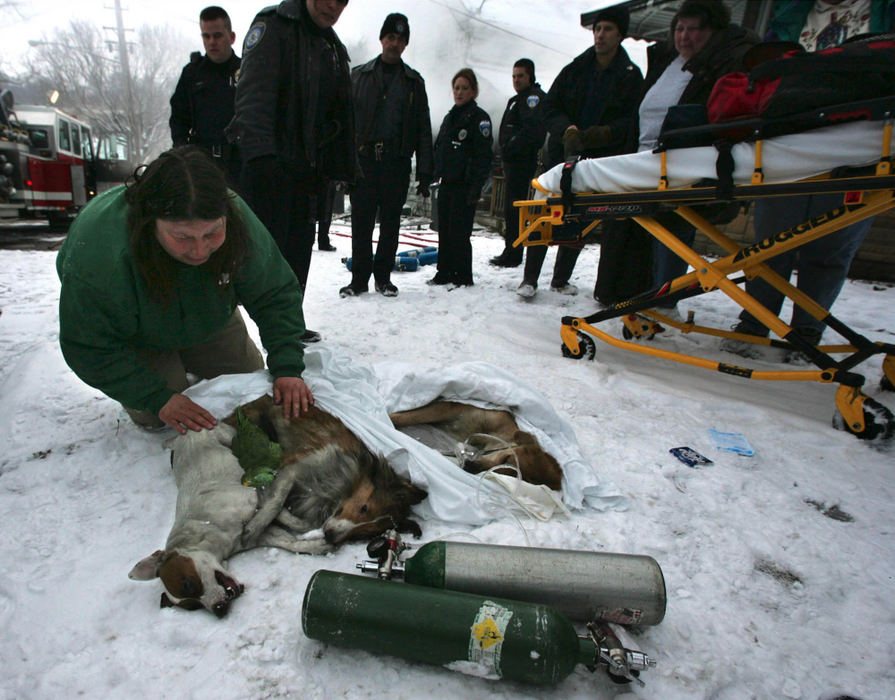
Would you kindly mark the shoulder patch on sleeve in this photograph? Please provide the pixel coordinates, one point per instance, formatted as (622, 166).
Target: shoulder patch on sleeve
(485, 128)
(253, 38)
(532, 101)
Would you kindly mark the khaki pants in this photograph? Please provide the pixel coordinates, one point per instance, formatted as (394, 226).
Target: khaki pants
(229, 352)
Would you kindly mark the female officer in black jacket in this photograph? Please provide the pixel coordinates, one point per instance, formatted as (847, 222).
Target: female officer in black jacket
(463, 162)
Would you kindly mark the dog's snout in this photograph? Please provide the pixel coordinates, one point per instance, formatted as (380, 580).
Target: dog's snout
(221, 609)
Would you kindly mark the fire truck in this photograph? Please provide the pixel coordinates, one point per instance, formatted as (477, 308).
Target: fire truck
(50, 163)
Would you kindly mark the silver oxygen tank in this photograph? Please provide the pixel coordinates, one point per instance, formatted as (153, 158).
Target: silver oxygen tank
(625, 589)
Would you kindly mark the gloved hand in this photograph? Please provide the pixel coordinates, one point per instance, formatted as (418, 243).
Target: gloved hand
(422, 189)
(571, 142)
(595, 137)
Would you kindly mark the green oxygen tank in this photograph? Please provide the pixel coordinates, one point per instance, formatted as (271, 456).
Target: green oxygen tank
(483, 636)
(625, 589)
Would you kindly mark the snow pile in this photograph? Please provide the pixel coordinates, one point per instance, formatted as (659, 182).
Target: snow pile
(779, 567)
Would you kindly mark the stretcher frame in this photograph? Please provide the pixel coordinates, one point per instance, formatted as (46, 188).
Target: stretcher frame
(866, 192)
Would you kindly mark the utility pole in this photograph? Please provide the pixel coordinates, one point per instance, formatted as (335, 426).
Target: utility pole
(134, 120)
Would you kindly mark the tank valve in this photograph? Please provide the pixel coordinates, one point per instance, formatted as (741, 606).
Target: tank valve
(385, 550)
(623, 665)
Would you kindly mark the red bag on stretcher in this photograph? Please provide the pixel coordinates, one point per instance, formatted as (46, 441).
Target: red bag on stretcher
(798, 81)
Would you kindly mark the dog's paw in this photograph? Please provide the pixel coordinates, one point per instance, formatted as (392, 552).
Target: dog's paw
(320, 546)
(252, 531)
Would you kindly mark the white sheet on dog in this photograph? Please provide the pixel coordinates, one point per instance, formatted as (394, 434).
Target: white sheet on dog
(784, 159)
(363, 396)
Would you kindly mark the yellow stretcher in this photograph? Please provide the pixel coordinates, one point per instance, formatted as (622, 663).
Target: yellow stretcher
(866, 192)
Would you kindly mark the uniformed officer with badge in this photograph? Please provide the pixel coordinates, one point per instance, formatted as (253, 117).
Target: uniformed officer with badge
(462, 162)
(202, 103)
(392, 115)
(294, 122)
(520, 137)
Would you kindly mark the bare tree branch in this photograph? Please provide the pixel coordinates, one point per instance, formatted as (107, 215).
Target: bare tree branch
(76, 61)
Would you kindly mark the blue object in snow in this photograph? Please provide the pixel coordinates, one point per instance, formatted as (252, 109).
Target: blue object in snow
(417, 252)
(731, 442)
(402, 264)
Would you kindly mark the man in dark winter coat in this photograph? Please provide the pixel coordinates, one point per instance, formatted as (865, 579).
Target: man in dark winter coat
(520, 137)
(590, 110)
(294, 121)
(392, 115)
(202, 103)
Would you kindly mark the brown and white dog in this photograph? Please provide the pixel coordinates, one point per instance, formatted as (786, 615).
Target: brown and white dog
(328, 478)
(512, 446)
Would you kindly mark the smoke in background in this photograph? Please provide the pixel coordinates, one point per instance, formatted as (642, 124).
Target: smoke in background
(485, 35)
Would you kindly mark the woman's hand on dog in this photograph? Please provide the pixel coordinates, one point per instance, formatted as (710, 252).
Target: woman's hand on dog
(182, 413)
(294, 394)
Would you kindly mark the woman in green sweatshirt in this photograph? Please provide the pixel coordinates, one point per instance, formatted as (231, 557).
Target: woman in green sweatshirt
(152, 273)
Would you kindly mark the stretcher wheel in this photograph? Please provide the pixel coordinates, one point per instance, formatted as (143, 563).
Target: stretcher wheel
(640, 327)
(628, 335)
(887, 383)
(587, 348)
(879, 422)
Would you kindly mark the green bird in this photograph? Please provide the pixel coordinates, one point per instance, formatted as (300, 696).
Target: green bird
(258, 456)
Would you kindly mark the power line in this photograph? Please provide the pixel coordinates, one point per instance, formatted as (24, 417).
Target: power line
(466, 14)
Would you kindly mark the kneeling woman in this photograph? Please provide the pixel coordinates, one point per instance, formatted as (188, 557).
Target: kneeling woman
(463, 162)
(152, 274)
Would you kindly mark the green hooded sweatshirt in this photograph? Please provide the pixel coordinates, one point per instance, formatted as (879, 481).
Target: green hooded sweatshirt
(106, 312)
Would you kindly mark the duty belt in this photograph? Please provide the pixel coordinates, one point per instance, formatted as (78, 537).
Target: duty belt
(225, 151)
(377, 150)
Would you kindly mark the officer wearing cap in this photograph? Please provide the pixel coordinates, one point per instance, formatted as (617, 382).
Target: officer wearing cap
(590, 110)
(392, 123)
(521, 135)
(202, 103)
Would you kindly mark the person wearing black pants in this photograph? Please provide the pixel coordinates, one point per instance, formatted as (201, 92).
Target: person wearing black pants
(383, 189)
(294, 122)
(463, 162)
(325, 205)
(287, 206)
(590, 111)
(392, 113)
(455, 219)
(521, 135)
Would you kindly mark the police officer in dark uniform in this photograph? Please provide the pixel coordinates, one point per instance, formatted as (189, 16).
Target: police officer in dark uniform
(521, 135)
(392, 115)
(462, 161)
(202, 103)
(294, 121)
(591, 111)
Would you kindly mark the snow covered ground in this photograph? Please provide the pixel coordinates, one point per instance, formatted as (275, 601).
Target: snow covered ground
(769, 596)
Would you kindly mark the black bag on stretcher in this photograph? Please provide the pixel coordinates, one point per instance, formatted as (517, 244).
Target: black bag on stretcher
(798, 81)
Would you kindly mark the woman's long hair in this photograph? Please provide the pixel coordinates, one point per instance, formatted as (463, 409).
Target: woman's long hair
(182, 184)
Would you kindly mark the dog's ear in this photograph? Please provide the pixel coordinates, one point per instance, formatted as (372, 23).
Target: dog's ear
(414, 493)
(147, 569)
